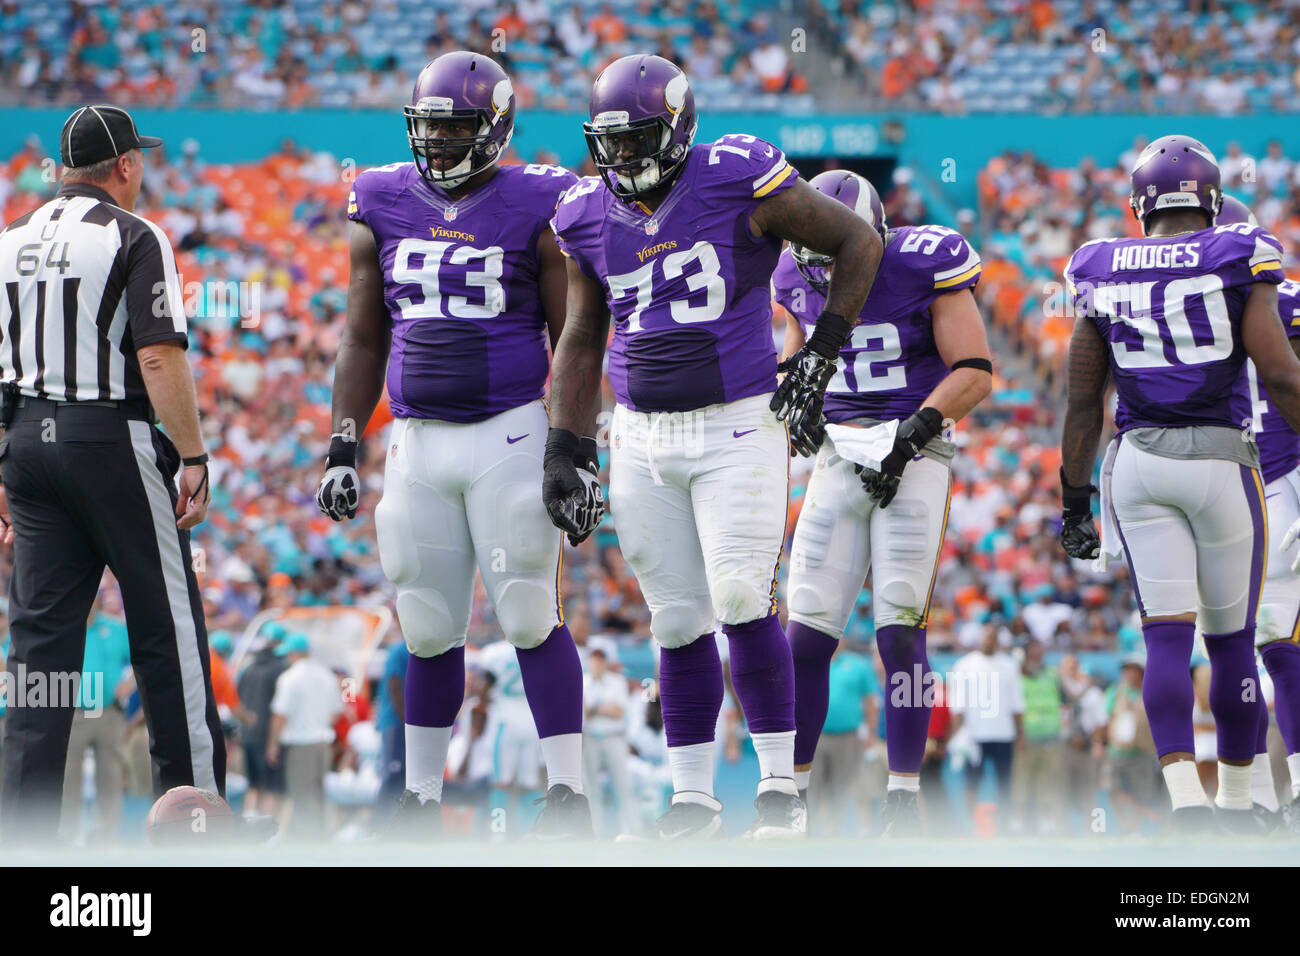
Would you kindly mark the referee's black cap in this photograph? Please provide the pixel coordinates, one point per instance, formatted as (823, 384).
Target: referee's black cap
(93, 134)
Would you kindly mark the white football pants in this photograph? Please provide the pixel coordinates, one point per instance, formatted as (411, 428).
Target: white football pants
(1279, 606)
(842, 534)
(1195, 534)
(457, 495)
(699, 502)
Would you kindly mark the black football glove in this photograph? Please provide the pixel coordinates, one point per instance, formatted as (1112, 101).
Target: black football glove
(570, 486)
(799, 396)
(913, 434)
(339, 493)
(1078, 532)
(798, 400)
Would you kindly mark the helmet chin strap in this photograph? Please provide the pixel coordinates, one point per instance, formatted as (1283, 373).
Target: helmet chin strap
(648, 178)
(455, 176)
(651, 173)
(460, 173)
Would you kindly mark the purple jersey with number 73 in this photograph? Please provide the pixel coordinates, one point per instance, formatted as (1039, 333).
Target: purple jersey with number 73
(461, 283)
(686, 284)
(1170, 309)
(890, 363)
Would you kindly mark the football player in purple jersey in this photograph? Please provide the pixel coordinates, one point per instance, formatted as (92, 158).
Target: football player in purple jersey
(456, 286)
(1278, 628)
(920, 357)
(678, 242)
(1172, 316)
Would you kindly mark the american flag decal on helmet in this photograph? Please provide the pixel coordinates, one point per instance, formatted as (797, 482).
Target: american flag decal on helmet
(1187, 185)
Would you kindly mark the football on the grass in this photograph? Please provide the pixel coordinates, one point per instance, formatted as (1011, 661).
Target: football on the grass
(188, 815)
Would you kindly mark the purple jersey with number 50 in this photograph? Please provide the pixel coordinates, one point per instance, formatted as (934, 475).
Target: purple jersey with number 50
(1170, 310)
(461, 283)
(686, 284)
(890, 363)
(1279, 446)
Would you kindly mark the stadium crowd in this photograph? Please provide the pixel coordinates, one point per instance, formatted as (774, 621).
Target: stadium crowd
(262, 254)
(271, 54)
(1149, 56)
(1155, 56)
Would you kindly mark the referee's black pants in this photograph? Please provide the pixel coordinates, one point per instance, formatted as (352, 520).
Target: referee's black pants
(90, 485)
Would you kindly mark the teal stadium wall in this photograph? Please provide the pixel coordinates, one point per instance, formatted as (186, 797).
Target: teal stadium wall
(928, 142)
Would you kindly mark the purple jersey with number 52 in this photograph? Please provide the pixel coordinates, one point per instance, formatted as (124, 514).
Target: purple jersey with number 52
(1170, 308)
(1279, 446)
(687, 284)
(890, 363)
(461, 283)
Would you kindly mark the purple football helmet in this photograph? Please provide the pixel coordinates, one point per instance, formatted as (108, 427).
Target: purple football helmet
(858, 194)
(1175, 172)
(1234, 211)
(642, 124)
(466, 88)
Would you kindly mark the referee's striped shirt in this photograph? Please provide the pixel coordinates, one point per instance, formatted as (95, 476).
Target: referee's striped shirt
(85, 284)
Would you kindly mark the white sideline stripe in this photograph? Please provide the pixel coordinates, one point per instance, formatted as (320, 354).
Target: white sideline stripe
(178, 596)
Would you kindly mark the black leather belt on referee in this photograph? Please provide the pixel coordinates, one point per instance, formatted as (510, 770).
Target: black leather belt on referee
(137, 408)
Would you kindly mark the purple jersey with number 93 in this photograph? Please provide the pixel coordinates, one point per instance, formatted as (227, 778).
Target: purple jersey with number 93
(1169, 308)
(461, 284)
(890, 364)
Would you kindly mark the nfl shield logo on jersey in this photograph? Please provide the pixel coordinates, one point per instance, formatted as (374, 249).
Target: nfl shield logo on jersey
(449, 213)
(651, 227)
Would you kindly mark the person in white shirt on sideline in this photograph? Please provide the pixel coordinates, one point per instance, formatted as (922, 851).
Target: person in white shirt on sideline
(307, 701)
(988, 703)
(604, 733)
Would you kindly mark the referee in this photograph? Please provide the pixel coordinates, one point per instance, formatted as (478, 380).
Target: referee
(92, 345)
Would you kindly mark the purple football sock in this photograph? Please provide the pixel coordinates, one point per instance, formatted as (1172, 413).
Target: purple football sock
(552, 675)
(1167, 691)
(1234, 702)
(1282, 661)
(1261, 736)
(811, 652)
(435, 688)
(763, 674)
(690, 691)
(907, 714)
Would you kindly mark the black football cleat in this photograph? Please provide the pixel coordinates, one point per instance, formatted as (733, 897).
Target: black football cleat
(1195, 821)
(1250, 822)
(565, 816)
(414, 820)
(781, 816)
(900, 817)
(1267, 820)
(685, 820)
